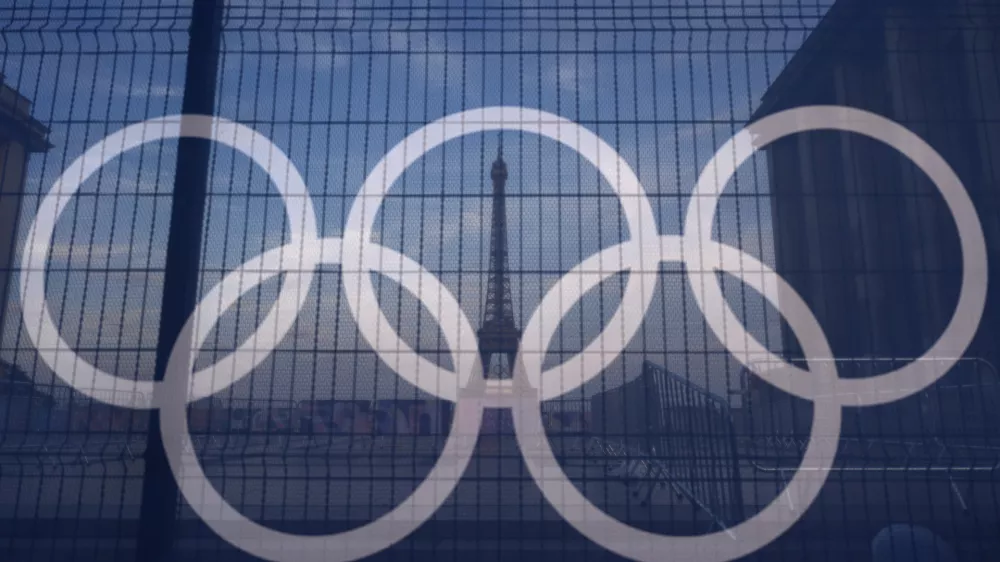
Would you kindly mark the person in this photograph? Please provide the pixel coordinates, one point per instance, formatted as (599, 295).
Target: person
(910, 543)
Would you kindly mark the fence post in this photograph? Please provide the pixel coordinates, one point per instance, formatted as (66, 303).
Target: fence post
(737, 480)
(157, 520)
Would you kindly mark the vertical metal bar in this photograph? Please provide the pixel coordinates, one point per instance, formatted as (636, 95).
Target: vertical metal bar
(158, 511)
(737, 487)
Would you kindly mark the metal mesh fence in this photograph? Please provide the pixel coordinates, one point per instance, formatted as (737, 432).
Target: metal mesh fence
(331, 429)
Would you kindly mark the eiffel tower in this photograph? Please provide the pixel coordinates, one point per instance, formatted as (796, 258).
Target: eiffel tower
(498, 337)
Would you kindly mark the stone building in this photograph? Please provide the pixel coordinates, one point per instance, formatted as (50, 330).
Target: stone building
(20, 136)
(863, 236)
(859, 231)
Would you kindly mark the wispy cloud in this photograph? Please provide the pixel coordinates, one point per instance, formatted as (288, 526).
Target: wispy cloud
(80, 254)
(573, 74)
(321, 53)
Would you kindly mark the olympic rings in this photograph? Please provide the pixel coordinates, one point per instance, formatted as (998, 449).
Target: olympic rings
(868, 391)
(44, 334)
(641, 255)
(636, 209)
(363, 541)
(730, 544)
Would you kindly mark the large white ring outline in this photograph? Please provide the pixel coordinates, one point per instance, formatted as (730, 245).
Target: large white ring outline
(371, 538)
(636, 209)
(747, 536)
(867, 391)
(823, 400)
(106, 387)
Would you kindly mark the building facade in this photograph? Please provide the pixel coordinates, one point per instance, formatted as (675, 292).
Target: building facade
(859, 232)
(20, 136)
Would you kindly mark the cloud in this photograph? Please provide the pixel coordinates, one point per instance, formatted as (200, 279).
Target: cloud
(470, 224)
(135, 86)
(79, 254)
(326, 55)
(437, 43)
(434, 57)
(156, 90)
(573, 74)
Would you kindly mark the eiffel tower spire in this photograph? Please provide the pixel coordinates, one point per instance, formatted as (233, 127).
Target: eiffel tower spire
(498, 336)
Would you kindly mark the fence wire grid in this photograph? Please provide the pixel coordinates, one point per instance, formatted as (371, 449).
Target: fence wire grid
(678, 433)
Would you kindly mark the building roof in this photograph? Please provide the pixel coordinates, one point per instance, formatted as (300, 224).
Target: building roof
(827, 37)
(12, 373)
(13, 380)
(845, 29)
(16, 121)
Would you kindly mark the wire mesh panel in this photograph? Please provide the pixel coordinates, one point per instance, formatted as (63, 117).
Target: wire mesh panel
(660, 433)
(312, 315)
(929, 459)
(71, 464)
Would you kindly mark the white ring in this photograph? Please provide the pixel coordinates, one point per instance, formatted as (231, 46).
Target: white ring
(735, 542)
(44, 334)
(271, 544)
(378, 332)
(569, 289)
(868, 391)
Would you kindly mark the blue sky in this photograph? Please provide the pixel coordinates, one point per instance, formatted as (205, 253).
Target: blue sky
(335, 95)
